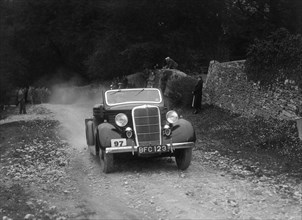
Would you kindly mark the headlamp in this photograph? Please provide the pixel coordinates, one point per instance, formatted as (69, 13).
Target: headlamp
(172, 117)
(121, 119)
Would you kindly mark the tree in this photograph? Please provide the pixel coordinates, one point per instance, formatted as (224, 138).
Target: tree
(276, 58)
(245, 20)
(99, 39)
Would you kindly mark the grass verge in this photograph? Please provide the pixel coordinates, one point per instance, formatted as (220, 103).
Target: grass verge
(271, 144)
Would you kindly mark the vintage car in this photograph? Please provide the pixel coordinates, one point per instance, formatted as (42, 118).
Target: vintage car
(136, 121)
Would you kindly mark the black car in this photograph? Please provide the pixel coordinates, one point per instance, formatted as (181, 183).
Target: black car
(136, 121)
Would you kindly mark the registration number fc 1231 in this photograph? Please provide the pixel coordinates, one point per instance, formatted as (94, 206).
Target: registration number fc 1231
(153, 149)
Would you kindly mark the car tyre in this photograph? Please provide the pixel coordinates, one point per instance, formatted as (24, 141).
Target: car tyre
(97, 145)
(183, 158)
(107, 161)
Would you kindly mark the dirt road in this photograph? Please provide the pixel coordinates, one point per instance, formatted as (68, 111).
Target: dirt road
(155, 189)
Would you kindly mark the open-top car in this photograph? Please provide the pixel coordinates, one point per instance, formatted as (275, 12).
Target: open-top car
(136, 121)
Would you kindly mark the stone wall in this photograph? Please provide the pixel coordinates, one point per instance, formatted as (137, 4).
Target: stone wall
(227, 86)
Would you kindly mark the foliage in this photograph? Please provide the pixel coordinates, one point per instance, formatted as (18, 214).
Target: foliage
(99, 39)
(50, 35)
(271, 143)
(181, 91)
(276, 58)
(34, 155)
(245, 20)
(142, 33)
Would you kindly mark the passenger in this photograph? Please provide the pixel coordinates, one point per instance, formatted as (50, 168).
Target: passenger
(125, 82)
(114, 84)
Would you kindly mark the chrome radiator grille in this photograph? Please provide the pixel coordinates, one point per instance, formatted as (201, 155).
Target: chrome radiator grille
(146, 123)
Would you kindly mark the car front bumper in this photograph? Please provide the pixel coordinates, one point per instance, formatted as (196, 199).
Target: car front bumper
(133, 149)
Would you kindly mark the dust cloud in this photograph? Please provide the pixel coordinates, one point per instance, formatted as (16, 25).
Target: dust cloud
(71, 94)
(69, 87)
(72, 104)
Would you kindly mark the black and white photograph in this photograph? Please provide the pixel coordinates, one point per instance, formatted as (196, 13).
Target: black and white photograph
(151, 109)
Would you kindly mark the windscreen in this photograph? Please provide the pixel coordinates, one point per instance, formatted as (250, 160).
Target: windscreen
(115, 97)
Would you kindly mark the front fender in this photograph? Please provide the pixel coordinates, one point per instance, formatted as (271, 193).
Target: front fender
(106, 132)
(182, 131)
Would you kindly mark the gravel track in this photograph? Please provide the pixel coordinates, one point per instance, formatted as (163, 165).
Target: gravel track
(155, 188)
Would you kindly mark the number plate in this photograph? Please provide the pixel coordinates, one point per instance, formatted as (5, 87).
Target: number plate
(153, 149)
(118, 142)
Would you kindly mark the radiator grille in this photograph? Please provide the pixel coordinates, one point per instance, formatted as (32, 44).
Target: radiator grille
(146, 122)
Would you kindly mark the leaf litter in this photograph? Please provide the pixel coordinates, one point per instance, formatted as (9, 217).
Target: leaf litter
(34, 157)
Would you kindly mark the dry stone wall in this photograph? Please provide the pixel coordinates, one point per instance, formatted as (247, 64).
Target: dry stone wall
(227, 86)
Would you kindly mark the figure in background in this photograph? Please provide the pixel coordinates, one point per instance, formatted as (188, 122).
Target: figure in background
(30, 95)
(151, 80)
(165, 87)
(35, 95)
(40, 94)
(16, 96)
(48, 94)
(197, 95)
(163, 81)
(26, 94)
(170, 64)
(44, 94)
(21, 100)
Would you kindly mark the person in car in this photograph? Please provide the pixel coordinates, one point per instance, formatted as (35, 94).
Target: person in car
(114, 84)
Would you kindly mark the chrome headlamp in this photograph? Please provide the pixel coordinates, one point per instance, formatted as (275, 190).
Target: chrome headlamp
(121, 119)
(172, 117)
(129, 132)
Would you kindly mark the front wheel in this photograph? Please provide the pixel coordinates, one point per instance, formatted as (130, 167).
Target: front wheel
(183, 158)
(107, 161)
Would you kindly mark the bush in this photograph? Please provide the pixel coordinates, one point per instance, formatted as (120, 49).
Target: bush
(181, 91)
(275, 59)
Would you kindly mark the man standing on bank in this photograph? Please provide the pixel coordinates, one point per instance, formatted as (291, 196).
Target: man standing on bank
(171, 64)
(197, 95)
(21, 100)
